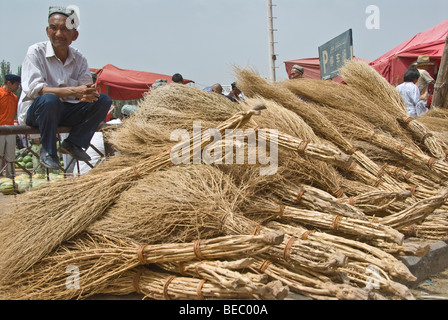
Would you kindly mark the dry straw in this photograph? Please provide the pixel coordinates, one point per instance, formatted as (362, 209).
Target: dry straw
(40, 220)
(341, 97)
(354, 250)
(167, 109)
(253, 85)
(101, 259)
(370, 84)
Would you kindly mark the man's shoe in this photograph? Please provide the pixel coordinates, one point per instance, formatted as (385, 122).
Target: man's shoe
(76, 152)
(49, 161)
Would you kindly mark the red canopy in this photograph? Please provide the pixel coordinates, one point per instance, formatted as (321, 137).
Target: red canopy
(394, 63)
(312, 67)
(121, 84)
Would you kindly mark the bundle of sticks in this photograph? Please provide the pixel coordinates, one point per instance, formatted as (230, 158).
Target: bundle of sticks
(351, 180)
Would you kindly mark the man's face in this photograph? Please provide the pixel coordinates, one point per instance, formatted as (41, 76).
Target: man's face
(60, 36)
(295, 74)
(12, 86)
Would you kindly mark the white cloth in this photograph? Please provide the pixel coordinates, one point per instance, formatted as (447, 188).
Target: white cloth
(98, 142)
(411, 95)
(41, 68)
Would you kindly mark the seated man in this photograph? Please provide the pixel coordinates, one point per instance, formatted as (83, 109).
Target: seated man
(57, 90)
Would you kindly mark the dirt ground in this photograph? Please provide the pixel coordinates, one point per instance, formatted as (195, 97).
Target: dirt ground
(433, 288)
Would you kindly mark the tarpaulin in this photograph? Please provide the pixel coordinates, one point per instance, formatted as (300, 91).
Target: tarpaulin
(122, 84)
(393, 64)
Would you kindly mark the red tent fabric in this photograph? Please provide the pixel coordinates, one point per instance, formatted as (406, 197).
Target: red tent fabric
(394, 63)
(121, 84)
(312, 67)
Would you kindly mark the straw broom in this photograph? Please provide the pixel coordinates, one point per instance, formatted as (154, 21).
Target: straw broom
(323, 152)
(355, 127)
(221, 274)
(300, 170)
(341, 97)
(31, 230)
(308, 255)
(308, 283)
(312, 198)
(252, 85)
(415, 213)
(171, 108)
(330, 222)
(101, 259)
(284, 120)
(364, 274)
(178, 199)
(354, 250)
(406, 249)
(376, 202)
(168, 286)
(434, 227)
(369, 83)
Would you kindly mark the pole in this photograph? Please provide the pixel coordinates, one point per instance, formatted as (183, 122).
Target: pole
(272, 56)
(441, 86)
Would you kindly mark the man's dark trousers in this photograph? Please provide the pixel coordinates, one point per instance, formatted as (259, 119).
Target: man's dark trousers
(48, 113)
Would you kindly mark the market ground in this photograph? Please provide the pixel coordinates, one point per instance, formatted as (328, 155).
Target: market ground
(434, 287)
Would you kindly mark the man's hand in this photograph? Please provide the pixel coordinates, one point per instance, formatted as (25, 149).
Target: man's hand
(84, 93)
(88, 93)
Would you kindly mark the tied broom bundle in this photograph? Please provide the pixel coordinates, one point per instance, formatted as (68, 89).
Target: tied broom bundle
(101, 259)
(229, 275)
(171, 206)
(355, 127)
(252, 85)
(167, 109)
(295, 135)
(311, 284)
(330, 222)
(360, 129)
(176, 205)
(308, 255)
(312, 198)
(167, 286)
(32, 230)
(375, 278)
(354, 250)
(372, 86)
(284, 120)
(415, 213)
(434, 227)
(341, 97)
(376, 202)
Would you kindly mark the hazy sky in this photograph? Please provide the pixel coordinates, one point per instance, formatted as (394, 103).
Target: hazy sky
(204, 39)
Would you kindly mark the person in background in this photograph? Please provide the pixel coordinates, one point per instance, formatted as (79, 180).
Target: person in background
(234, 94)
(411, 93)
(57, 90)
(177, 78)
(423, 63)
(8, 109)
(217, 88)
(296, 72)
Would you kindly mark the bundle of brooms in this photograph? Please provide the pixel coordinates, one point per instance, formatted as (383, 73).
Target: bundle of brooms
(328, 222)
